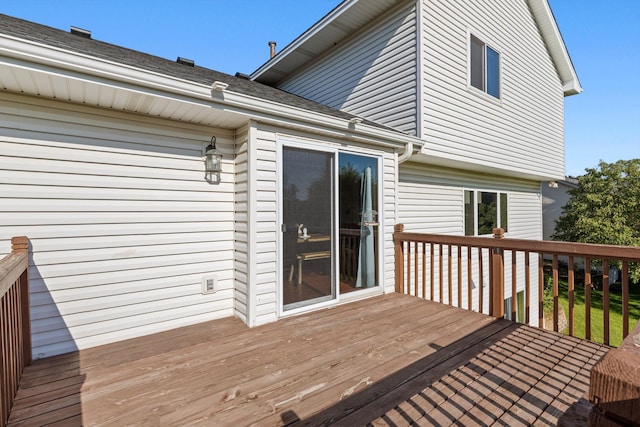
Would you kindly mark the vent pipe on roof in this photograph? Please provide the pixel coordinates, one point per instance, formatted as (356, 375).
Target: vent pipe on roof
(80, 32)
(272, 49)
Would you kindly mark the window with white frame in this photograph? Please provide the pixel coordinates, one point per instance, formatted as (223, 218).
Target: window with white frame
(484, 68)
(484, 211)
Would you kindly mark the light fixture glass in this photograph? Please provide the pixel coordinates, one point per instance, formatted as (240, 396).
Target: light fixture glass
(212, 163)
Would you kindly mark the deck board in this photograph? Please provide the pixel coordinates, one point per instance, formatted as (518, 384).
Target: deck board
(389, 360)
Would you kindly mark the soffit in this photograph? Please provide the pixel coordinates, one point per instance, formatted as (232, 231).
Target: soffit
(48, 83)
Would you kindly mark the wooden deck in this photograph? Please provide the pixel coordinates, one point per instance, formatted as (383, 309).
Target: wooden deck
(390, 360)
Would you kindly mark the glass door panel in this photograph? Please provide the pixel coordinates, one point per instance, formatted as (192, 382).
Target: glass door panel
(358, 216)
(307, 230)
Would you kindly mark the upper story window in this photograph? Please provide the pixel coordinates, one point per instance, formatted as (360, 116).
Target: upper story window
(484, 69)
(484, 211)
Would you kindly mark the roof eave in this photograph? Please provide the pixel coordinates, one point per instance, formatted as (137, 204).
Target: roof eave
(572, 87)
(40, 58)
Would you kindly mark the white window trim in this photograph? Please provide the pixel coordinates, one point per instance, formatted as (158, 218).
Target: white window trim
(475, 210)
(472, 89)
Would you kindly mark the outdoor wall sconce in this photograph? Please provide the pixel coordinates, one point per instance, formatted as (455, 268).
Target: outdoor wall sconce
(212, 163)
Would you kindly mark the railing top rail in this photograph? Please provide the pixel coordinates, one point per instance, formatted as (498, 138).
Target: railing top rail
(11, 267)
(627, 253)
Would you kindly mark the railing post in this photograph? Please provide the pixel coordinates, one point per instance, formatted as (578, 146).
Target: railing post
(496, 285)
(20, 244)
(399, 259)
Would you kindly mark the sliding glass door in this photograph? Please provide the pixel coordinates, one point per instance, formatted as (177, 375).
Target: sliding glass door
(308, 227)
(329, 225)
(358, 219)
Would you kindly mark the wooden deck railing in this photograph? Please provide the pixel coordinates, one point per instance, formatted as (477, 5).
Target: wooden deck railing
(15, 330)
(470, 272)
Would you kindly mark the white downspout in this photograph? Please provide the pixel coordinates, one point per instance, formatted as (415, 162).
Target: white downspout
(408, 152)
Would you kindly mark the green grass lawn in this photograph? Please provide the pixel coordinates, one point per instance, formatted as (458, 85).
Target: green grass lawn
(597, 322)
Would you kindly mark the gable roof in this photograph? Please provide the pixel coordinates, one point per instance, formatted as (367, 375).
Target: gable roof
(351, 15)
(73, 67)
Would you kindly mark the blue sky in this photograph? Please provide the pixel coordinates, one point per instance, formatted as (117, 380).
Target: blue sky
(603, 38)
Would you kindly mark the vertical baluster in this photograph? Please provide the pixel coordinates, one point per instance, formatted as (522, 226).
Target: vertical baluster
(469, 279)
(416, 271)
(19, 318)
(460, 276)
(541, 290)
(481, 280)
(11, 340)
(527, 287)
(424, 270)
(409, 268)
(571, 295)
(514, 286)
(605, 299)
(587, 298)
(432, 272)
(625, 299)
(4, 389)
(440, 275)
(555, 292)
(449, 276)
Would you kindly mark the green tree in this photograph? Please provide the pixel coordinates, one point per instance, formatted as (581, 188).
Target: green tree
(604, 208)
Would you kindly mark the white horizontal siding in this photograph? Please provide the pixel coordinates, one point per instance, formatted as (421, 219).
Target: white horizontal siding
(523, 131)
(525, 215)
(431, 200)
(372, 75)
(121, 223)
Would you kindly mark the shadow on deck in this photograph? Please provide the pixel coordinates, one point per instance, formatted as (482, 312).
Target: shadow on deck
(389, 360)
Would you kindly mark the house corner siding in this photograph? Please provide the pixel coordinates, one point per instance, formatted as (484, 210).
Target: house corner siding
(390, 218)
(264, 227)
(241, 226)
(256, 226)
(372, 75)
(521, 132)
